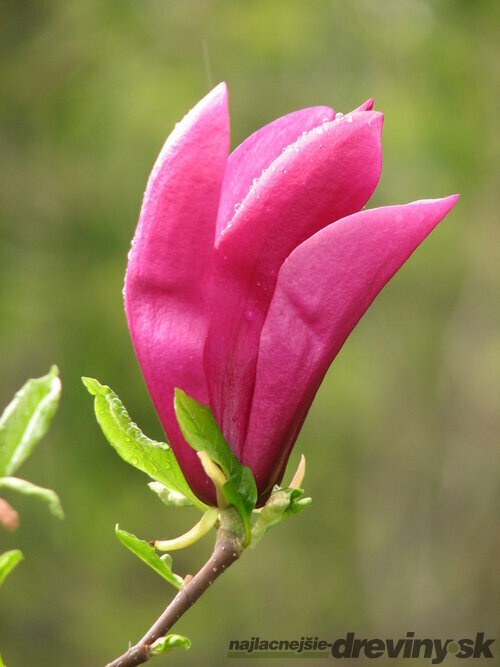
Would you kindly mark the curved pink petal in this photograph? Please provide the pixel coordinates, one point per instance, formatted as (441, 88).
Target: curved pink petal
(323, 289)
(169, 271)
(327, 174)
(257, 152)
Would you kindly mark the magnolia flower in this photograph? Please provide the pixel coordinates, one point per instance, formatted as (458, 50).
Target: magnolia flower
(248, 272)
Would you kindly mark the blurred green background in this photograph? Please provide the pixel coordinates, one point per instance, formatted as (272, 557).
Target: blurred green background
(402, 440)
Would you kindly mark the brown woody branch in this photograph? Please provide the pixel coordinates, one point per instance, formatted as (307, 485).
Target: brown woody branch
(228, 548)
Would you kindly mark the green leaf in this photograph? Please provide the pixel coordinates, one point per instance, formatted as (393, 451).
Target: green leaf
(202, 432)
(26, 419)
(8, 562)
(281, 504)
(168, 496)
(49, 497)
(154, 458)
(168, 643)
(144, 551)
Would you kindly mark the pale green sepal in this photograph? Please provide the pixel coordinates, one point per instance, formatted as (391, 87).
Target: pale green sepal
(281, 504)
(167, 559)
(202, 432)
(198, 531)
(26, 419)
(154, 458)
(298, 506)
(47, 496)
(8, 562)
(144, 551)
(168, 643)
(217, 477)
(169, 497)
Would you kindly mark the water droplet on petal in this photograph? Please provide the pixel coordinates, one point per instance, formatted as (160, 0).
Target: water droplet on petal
(237, 207)
(349, 119)
(339, 115)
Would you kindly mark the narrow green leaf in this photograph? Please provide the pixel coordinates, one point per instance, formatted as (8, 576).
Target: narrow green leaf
(26, 419)
(154, 458)
(281, 504)
(144, 551)
(202, 432)
(168, 496)
(8, 562)
(168, 643)
(47, 496)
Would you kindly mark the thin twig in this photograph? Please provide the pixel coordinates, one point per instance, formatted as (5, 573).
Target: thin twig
(227, 549)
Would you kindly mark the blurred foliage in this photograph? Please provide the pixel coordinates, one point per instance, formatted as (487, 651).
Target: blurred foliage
(402, 441)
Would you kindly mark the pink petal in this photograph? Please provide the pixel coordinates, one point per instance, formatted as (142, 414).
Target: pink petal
(257, 152)
(366, 106)
(323, 289)
(327, 174)
(168, 278)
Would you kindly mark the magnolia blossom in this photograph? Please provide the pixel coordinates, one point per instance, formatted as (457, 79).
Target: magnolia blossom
(247, 272)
